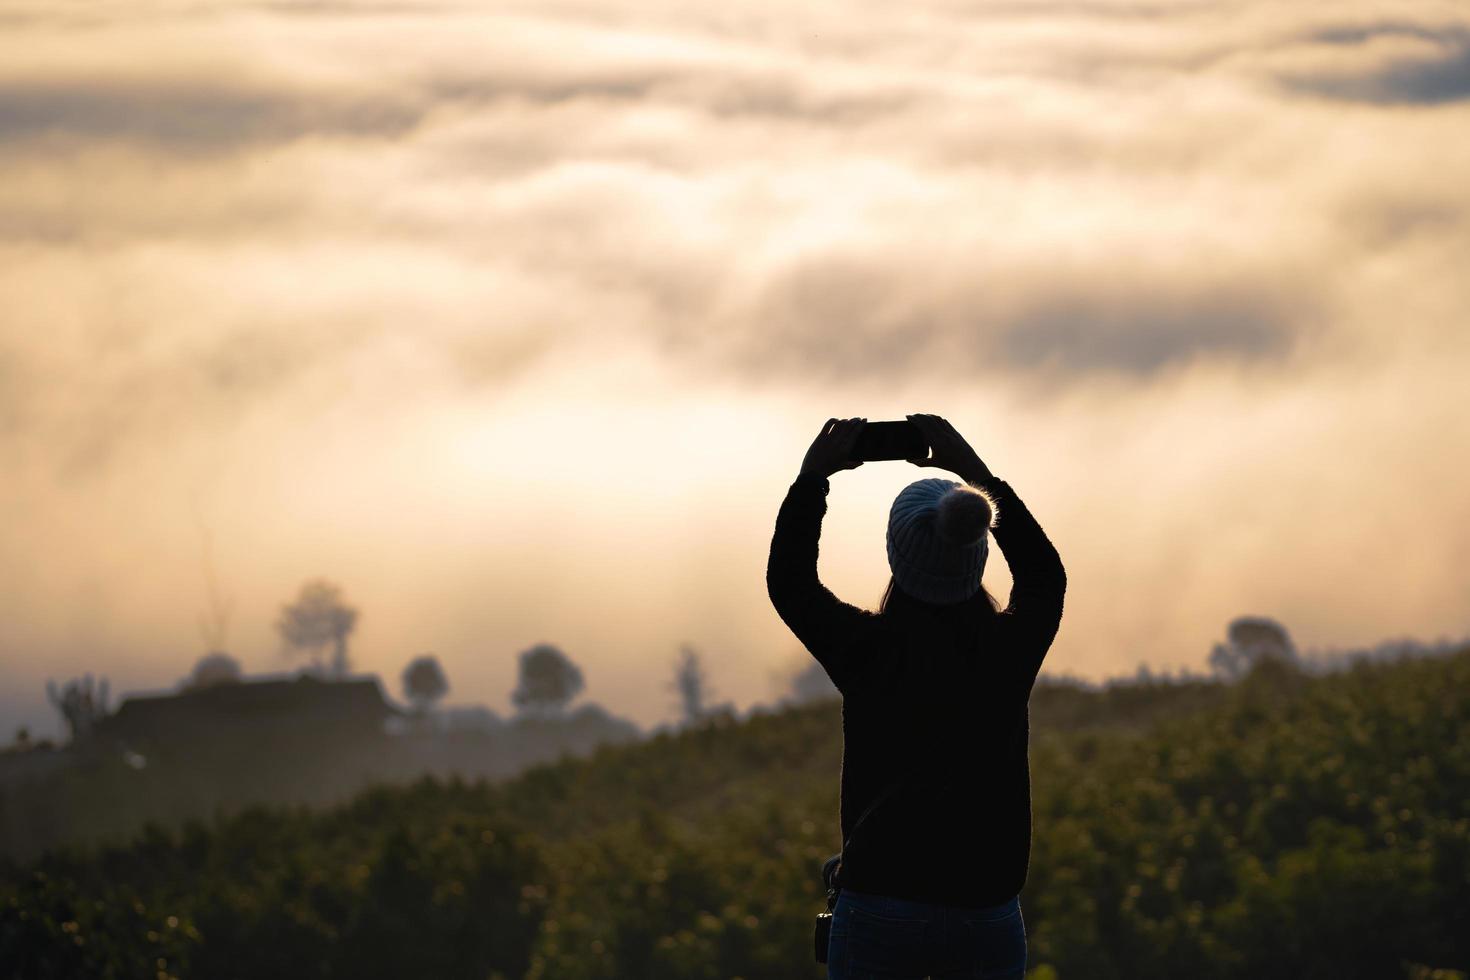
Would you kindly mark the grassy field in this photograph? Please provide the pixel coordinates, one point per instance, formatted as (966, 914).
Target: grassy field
(1286, 826)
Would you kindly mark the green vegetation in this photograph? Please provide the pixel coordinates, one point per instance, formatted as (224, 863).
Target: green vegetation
(1286, 826)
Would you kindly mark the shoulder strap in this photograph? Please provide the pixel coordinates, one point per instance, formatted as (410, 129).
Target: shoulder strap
(882, 798)
(835, 882)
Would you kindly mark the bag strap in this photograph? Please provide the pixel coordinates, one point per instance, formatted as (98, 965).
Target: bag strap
(834, 885)
(914, 777)
(882, 798)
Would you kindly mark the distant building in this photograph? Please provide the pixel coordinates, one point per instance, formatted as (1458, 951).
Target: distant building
(251, 710)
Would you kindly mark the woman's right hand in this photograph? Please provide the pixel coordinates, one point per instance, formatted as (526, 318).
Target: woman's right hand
(948, 449)
(832, 449)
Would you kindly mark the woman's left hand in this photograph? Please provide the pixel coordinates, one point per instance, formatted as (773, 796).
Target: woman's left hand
(832, 449)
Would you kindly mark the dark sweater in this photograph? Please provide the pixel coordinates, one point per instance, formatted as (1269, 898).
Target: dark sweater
(933, 697)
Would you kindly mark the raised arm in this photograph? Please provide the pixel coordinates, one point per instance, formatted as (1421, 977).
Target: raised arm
(826, 626)
(1038, 580)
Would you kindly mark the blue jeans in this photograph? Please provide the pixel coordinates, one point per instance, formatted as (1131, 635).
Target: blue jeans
(874, 936)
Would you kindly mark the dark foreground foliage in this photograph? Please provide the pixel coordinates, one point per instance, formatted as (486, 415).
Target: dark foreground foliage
(1285, 827)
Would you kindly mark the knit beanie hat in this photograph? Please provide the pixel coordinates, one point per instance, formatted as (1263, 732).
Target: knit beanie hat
(937, 540)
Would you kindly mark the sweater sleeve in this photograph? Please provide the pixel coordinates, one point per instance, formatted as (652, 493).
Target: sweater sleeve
(828, 627)
(1038, 580)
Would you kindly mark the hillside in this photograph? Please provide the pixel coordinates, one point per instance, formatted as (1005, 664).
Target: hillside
(193, 759)
(1289, 826)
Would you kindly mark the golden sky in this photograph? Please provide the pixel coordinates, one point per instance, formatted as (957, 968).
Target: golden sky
(515, 319)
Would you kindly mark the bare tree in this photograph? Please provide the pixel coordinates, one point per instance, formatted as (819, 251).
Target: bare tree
(691, 683)
(424, 682)
(548, 680)
(213, 669)
(1249, 640)
(317, 619)
(82, 703)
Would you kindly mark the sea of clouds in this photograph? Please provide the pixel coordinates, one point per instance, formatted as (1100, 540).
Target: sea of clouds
(1199, 269)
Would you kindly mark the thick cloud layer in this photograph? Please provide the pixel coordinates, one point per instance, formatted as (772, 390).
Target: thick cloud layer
(538, 306)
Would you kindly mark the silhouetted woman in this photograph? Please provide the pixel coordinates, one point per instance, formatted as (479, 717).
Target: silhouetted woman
(934, 689)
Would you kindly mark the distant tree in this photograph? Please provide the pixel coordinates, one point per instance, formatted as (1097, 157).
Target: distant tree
(812, 684)
(22, 737)
(691, 683)
(317, 619)
(424, 682)
(548, 680)
(1249, 640)
(213, 668)
(82, 703)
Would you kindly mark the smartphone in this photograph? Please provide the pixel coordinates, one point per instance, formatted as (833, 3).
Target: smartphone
(890, 440)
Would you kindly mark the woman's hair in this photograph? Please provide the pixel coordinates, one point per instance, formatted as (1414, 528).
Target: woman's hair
(925, 627)
(986, 604)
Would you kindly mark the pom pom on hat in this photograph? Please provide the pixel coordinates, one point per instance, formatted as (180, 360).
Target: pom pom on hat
(962, 515)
